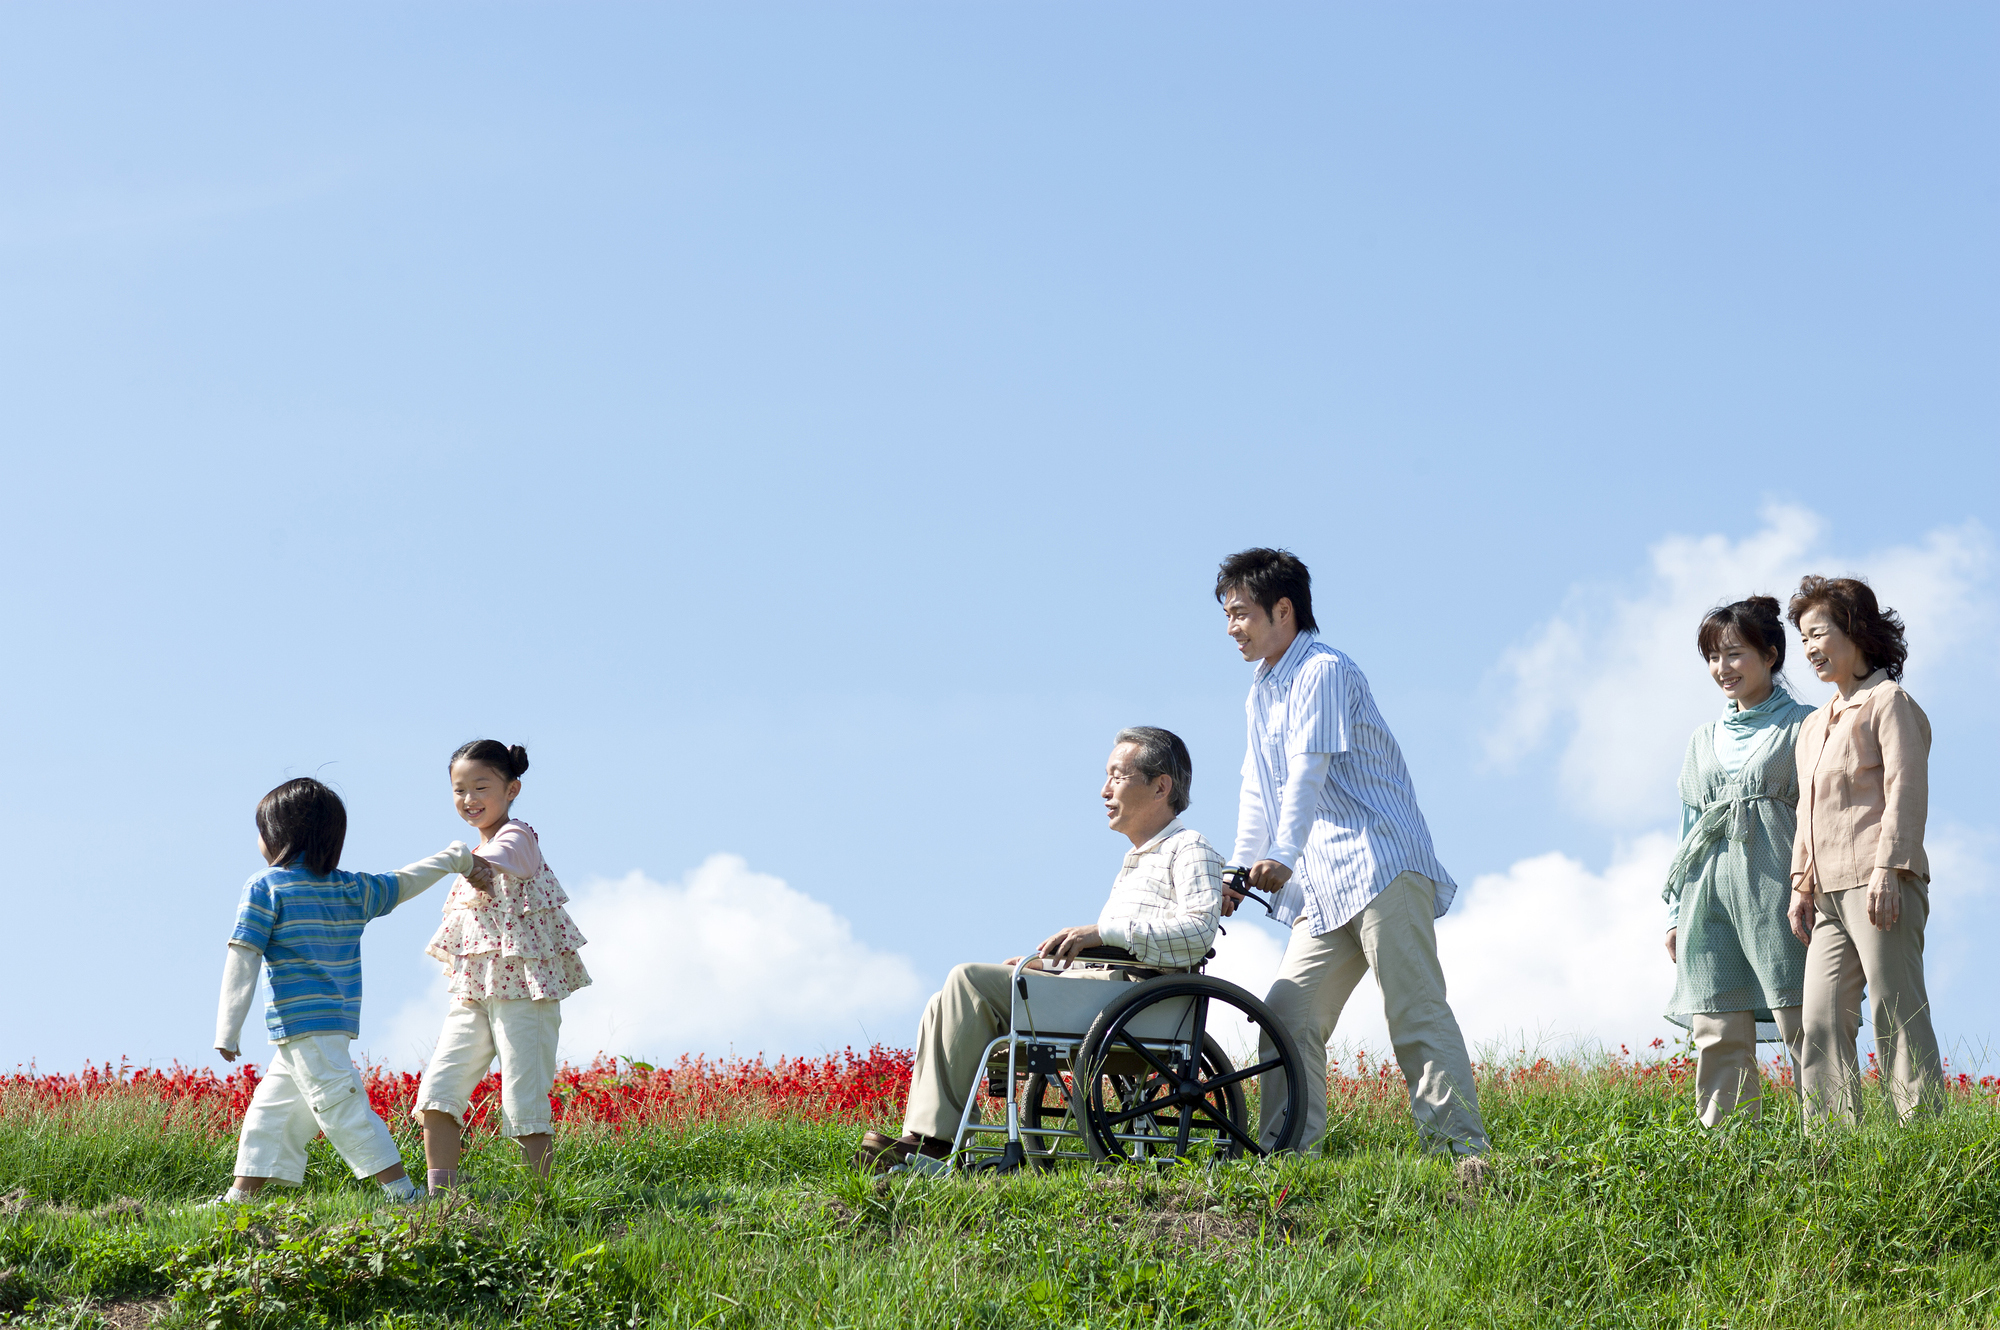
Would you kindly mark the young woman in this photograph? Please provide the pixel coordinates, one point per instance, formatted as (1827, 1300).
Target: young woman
(1860, 878)
(1739, 973)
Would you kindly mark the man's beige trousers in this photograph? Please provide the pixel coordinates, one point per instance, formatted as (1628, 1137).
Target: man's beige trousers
(962, 1019)
(1396, 937)
(1846, 954)
(1726, 1076)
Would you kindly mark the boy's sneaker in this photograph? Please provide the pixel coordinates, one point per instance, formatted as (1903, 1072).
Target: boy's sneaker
(230, 1197)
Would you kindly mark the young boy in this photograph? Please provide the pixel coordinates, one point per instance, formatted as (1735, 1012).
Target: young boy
(303, 917)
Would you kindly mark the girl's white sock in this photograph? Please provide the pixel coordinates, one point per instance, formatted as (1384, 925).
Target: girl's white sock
(235, 1197)
(402, 1189)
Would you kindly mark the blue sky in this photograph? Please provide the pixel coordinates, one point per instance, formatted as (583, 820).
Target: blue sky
(812, 431)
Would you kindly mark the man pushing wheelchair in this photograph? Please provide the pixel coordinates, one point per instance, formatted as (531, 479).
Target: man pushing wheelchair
(1162, 913)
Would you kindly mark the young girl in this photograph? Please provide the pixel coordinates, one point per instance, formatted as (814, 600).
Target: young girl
(510, 955)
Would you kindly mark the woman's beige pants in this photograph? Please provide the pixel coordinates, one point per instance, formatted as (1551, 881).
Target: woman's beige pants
(1725, 1065)
(1848, 953)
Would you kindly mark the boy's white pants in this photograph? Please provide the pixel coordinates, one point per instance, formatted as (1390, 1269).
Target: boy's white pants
(311, 1087)
(522, 1032)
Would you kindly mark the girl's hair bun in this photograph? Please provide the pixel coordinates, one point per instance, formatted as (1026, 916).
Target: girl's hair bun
(509, 762)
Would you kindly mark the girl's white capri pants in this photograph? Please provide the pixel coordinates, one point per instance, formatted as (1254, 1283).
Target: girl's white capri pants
(312, 1087)
(522, 1032)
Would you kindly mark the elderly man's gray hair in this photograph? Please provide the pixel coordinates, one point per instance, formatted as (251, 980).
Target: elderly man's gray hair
(1161, 753)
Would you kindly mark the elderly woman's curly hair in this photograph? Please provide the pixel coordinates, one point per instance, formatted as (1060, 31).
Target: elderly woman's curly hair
(1852, 606)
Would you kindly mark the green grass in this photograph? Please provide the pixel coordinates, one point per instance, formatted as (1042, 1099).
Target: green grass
(1610, 1207)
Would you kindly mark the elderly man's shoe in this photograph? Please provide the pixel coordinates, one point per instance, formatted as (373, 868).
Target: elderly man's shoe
(879, 1153)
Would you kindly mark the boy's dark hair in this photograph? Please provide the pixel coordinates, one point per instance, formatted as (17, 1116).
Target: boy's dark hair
(1161, 753)
(1267, 577)
(303, 819)
(1852, 606)
(509, 762)
(1755, 621)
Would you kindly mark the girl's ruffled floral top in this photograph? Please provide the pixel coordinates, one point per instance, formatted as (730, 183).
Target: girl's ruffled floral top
(517, 941)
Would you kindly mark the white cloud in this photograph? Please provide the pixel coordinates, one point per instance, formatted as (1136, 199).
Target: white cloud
(724, 960)
(1615, 677)
(1547, 955)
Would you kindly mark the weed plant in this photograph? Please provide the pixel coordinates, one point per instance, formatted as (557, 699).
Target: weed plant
(1608, 1205)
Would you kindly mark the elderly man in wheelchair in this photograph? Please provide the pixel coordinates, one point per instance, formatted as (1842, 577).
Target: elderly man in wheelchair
(1130, 1067)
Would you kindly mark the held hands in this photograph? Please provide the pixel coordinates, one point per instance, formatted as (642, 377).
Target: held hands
(481, 876)
(228, 1054)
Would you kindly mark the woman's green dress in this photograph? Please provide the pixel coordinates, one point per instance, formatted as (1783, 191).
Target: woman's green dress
(1731, 881)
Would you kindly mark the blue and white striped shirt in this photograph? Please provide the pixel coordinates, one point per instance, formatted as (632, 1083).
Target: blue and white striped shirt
(1365, 826)
(309, 929)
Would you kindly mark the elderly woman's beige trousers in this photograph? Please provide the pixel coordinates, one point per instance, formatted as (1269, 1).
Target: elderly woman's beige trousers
(1846, 954)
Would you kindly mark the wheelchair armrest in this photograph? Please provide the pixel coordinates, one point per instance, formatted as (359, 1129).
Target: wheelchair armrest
(1108, 954)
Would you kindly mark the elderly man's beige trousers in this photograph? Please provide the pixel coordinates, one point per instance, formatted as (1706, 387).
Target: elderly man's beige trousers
(1396, 937)
(1846, 954)
(1726, 1076)
(962, 1019)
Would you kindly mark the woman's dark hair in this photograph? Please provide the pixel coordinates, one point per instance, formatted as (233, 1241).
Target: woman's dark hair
(509, 762)
(1161, 753)
(1267, 577)
(1755, 621)
(1852, 606)
(303, 819)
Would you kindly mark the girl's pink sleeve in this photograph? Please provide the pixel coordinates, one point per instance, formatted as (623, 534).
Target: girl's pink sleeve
(514, 850)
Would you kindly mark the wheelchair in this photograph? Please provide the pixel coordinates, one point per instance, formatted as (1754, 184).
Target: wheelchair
(1126, 1067)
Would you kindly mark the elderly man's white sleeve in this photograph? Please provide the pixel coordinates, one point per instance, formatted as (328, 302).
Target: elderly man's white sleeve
(1301, 800)
(1253, 821)
(239, 989)
(1180, 931)
(419, 876)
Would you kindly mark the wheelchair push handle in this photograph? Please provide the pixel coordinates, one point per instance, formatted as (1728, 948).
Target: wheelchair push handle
(1237, 880)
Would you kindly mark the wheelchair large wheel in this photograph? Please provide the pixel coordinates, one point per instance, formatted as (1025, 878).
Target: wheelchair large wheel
(1043, 1103)
(1186, 1094)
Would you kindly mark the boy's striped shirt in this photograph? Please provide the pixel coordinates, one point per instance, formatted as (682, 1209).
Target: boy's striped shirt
(309, 926)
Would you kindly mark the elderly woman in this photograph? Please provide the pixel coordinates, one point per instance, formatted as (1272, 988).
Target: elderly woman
(1860, 880)
(1739, 975)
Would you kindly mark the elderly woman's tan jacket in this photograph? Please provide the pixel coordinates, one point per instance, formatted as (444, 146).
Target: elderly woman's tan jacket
(1864, 788)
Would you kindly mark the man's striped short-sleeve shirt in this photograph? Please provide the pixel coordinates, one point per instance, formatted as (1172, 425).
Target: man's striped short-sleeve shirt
(308, 926)
(1366, 826)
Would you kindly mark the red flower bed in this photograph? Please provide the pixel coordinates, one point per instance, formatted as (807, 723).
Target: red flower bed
(847, 1086)
(844, 1087)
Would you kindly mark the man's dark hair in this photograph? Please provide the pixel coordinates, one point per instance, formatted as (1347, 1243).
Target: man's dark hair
(1852, 606)
(1161, 753)
(1755, 621)
(1267, 577)
(303, 819)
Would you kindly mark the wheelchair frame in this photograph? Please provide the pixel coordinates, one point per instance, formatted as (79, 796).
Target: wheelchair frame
(1054, 1052)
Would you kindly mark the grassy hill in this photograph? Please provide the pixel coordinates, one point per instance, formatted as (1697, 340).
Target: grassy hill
(719, 1195)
